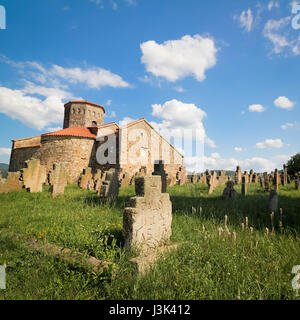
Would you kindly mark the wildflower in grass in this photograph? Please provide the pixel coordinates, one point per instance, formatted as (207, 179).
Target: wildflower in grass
(203, 228)
(243, 226)
(246, 222)
(226, 219)
(234, 237)
(251, 229)
(220, 230)
(272, 221)
(193, 210)
(200, 210)
(267, 230)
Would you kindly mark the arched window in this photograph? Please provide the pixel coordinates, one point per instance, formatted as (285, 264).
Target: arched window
(94, 124)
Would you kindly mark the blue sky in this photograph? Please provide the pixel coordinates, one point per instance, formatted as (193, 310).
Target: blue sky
(230, 68)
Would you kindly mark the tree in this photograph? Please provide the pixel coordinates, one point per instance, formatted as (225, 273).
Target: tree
(293, 165)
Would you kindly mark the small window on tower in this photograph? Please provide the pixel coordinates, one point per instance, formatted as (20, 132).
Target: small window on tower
(94, 124)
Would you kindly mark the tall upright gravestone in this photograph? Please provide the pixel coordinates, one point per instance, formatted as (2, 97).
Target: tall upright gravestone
(159, 171)
(58, 179)
(147, 221)
(34, 175)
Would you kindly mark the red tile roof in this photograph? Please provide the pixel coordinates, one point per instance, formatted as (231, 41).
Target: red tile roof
(87, 102)
(73, 132)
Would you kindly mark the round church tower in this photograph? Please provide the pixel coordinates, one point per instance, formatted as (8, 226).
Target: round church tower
(83, 114)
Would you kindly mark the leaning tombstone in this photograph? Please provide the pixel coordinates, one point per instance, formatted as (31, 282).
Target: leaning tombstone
(34, 175)
(110, 187)
(58, 179)
(86, 178)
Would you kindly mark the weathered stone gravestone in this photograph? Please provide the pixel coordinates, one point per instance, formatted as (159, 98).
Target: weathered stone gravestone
(212, 182)
(181, 176)
(86, 179)
(267, 182)
(11, 183)
(273, 201)
(222, 179)
(159, 171)
(125, 181)
(98, 179)
(285, 175)
(246, 176)
(255, 178)
(194, 178)
(110, 187)
(58, 179)
(171, 179)
(229, 192)
(251, 176)
(297, 181)
(147, 222)
(244, 185)
(238, 175)
(261, 181)
(276, 179)
(202, 178)
(34, 175)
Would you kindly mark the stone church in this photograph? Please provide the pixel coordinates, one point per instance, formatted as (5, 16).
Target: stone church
(85, 138)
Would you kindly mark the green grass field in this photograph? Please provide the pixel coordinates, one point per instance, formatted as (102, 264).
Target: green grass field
(207, 265)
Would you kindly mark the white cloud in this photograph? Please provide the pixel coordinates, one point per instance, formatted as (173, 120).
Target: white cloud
(112, 115)
(238, 149)
(176, 59)
(108, 102)
(182, 121)
(94, 77)
(246, 20)
(32, 111)
(284, 103)
(279, 32)
(256, 108)
(287, 125)
(273, 4)
(53, 129)
(179, 89)
(5, 151)
(270, 144)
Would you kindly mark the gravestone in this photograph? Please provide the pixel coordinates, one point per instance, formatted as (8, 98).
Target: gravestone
(11, 183)
(147, 222)
(212, 182)
(255, 178)
(110, 187)
(244, 185)
(98, 179)
(238, 175)
(285, 175)
(276, 179)
(246, 176)
(229, 192)
(261, 181)
(251, 176)
(125, 181)
(267, 182)
(58, 179)
(86, 178)
(202, 178)
(181, 176)
(296, 181)
(222, 178)
(34, 175)
(194, 178)
(159, 171)
(273, 201)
